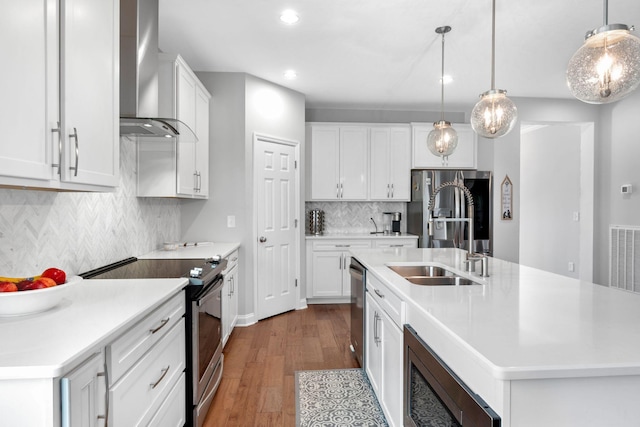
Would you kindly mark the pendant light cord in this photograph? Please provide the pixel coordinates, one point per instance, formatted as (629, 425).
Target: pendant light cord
(442, 83)
(605, 13)
(493, 45)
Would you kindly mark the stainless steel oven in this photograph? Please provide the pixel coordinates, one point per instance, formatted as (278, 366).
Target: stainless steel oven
(205, 347)
(434, 396)
(203, 320)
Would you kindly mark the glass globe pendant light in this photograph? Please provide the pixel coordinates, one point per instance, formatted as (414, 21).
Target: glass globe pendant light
(443, 139)
(495, 114)
(607, 66)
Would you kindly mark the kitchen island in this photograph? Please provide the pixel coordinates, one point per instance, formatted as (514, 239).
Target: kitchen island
(539, 348)
(38, 349)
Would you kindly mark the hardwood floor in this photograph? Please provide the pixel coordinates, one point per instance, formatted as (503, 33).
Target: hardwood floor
(257, 387)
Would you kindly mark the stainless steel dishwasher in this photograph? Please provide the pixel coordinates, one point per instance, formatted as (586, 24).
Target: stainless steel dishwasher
(358, 274)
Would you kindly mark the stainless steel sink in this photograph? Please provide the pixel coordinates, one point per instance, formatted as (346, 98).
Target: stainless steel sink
(430, 275)
(420, 271)
(440, 281)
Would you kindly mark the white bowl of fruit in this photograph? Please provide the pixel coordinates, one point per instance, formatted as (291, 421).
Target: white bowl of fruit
(29, 295)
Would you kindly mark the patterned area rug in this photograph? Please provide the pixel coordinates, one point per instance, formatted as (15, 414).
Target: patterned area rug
(339, 397)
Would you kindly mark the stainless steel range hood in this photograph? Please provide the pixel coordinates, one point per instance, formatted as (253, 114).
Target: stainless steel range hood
(139, 94)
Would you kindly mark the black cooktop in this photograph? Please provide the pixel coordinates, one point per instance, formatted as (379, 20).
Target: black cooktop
(133, 268)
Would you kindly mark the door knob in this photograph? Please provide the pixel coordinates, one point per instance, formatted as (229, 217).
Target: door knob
(263, 239)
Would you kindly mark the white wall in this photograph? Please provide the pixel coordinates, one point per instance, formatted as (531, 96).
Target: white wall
(550, 177)
(238, 109)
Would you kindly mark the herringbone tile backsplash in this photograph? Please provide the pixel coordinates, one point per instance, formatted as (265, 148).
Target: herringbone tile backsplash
(354, 217)
(81, 231)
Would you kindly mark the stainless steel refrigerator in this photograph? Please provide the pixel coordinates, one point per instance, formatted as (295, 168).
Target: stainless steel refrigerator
(450, 209)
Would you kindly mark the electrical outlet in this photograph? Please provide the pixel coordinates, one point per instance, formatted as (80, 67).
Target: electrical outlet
(231, 221)
(576, 216)
(572, 266)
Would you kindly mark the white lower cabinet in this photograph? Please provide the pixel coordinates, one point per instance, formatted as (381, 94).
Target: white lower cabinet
(383, 349)
(83, 394)
(328, 267)
(230, 297)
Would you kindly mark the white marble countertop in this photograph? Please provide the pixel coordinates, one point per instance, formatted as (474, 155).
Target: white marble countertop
(520, 323)
(355, 236)
(93, 313)
(201, 250)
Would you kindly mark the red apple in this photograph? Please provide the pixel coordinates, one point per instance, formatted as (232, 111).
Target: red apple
(36, 284)
(23, 284)
(56, 274)
(8, 287)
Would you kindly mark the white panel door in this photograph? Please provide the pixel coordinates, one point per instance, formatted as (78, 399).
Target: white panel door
(325, 162)
(276, 215)
(379, 178)
(186, 94)
(353, 163)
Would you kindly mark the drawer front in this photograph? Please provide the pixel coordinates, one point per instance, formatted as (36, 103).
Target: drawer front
(395, 243)
(232, 261)
(141, 391)
(128, 348)
(340, 245)
(172, 410)
(388, 301)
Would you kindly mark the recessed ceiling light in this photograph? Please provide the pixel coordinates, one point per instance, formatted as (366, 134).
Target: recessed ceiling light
(290, 74)
(446, 79)
(289, 17)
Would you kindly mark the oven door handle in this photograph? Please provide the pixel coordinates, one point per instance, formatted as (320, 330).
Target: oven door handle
(209, 293)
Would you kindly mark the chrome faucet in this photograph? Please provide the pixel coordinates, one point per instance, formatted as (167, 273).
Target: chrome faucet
(471, 256)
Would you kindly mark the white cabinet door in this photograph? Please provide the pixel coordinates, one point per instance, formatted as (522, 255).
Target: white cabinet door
(229, 303)
(83, 394)
(325, 163)
(464, 157)
(392, 378)
(89, 91)
(29, 90)
(390, 163)
(186, 112)
(373, 346)
(202, 146)
(328, 274)
(353, 163)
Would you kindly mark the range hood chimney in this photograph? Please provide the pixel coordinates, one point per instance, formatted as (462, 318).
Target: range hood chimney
(139, 75)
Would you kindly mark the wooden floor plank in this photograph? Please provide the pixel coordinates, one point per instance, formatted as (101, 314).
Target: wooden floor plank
(258, 381)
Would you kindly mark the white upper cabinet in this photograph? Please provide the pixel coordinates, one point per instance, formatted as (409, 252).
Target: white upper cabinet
(174, 168)
(464, 156)
(338, 162)
(60, 95)
(390, 163)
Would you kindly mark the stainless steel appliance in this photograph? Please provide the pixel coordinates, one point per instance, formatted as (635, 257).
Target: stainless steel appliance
(203, 320)
(357, 273)
(433, 393)
(391, 222)
(450, 210)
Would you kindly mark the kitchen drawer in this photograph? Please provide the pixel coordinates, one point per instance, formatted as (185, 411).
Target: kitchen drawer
(172, 410)
(232, 261)
(137, 396)
(134, 343)
(340, 245)
(395, 243)
(389, 302)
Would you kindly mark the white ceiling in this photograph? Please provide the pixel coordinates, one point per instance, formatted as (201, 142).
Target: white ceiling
(385, 53)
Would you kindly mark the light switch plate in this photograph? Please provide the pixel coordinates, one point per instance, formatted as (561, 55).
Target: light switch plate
(231, 221)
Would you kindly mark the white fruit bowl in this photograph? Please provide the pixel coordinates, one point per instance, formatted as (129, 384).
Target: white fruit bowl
(22, 303)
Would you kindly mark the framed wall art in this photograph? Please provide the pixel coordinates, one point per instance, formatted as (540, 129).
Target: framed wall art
(506, 195)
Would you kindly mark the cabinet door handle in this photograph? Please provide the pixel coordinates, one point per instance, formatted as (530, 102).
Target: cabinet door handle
(164, 373)
(387, 191)
(341, 191)
(380, 294)
(163, 323)
(233, 285)
(392, 191)
(337, 191)
(75, 136)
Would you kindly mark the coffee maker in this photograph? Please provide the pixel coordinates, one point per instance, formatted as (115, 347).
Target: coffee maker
(391, 222)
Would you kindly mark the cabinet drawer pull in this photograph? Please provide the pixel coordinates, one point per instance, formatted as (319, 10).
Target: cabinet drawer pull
(163, 323)
(396, 246)
(164, 373)
(380, 294)
(343, 246)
